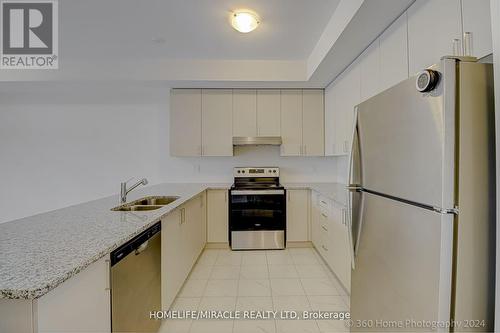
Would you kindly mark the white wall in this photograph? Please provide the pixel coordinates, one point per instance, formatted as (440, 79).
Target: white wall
(63, 144)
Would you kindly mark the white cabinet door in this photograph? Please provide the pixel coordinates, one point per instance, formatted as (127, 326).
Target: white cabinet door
(369, 65)
(172, 258)
(348, 97)
(185, 122)
(268, 112)
(244, 112)
(291, 122)
(297, 228)
(339, 245)
(432, 27)
(217, 216)
(394, 53)
(80, 304)
(313, 112)
(315, 221)
(217, 122)
(477, 20)
(194, 221)
(331, 119)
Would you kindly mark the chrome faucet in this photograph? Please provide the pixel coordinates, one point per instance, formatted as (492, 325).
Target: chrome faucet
(124, 190)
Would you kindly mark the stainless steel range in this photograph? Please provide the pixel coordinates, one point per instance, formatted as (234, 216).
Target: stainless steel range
(257, 210)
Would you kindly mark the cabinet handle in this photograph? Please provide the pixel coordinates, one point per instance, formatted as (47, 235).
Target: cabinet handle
(324, 247)
(343, 216)
(288, 196)
(108, 274)
(305, 150)
(324, 228)
(323, 202)
(346, 145)
(301, 150)
(183, 215)
(324, 215)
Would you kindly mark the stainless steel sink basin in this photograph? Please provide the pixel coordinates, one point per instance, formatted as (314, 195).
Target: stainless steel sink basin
(146, 203)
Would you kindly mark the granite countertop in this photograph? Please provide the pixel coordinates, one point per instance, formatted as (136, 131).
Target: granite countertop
(40, 252)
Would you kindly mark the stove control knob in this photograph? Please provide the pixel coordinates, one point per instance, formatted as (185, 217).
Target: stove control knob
(274, 171)
(243, 171)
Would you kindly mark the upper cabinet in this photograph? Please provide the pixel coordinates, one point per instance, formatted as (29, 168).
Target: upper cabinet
(185, 122)
(302, 122)
(244, 112)
(477, 20)
(432, 27)
(393, 45)
(313, 114)
(369, 64)
(217, 122)
(268, 112)
(291, 123)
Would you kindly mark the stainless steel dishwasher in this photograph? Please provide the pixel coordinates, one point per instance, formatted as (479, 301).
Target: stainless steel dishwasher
(136, 283)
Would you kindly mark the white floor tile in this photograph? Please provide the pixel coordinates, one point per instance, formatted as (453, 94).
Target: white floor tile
(283, 272)
(193, 288)
(228, 258)
(208, 257)
(296, 326)
(254, 303)
(312, 271)
(201, 272)
(327, 303)
(286, 287)
(279, 259)
(212, 326)
(254, 260)
(291, 303)
(319, 287)
(225, 273)
(186, 304)
(305, 259)
(254, 272)
(254, 326)
(221, 288)
(217, 303)
(254, 287)
(332, 326)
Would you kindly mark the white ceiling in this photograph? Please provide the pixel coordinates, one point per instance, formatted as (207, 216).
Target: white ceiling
(191, 29)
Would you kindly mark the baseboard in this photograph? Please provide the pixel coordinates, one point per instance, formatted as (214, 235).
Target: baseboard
(221, 245)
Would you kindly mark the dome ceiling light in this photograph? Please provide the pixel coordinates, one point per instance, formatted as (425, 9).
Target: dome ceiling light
(244, 21)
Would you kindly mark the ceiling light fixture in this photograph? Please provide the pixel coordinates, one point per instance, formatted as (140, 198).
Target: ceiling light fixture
(244, 21)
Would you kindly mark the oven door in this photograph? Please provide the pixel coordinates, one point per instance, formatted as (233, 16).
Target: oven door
(257, 219)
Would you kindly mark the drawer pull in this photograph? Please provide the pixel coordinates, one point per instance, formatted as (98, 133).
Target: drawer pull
(324, 228)
(324, 247)
(323, 202)
(324, 215)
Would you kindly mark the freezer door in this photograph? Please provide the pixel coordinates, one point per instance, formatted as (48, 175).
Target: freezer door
(403, 266)
(407, 141)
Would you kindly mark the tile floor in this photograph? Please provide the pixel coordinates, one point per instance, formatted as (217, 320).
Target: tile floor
(294, 279)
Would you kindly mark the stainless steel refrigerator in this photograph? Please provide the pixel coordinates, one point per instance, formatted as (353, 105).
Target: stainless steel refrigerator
(422, 202)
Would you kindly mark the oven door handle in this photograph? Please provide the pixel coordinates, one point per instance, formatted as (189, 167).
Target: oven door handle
(257, 192)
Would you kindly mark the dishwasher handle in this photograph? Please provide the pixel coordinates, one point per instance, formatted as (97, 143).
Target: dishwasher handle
(142, 248)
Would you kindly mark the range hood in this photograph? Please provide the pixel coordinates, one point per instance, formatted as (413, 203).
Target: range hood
(256, 140)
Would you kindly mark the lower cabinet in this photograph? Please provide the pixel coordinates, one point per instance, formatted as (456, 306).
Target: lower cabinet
(217, 216)
(183, 238)
(297, 216)
(330, 236)
(80, 304)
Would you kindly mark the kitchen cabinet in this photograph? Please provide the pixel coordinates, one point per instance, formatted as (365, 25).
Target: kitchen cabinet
(217, 122)
(369, 65)
(313, 113)
(291, 123)
(217, 216)
(315, 220)
(297, 216)
(432, 27)
(394, 53)
(185, 122)
(182, 243)
(244, 112)
(80, 304)
(477, 20)
(342, 96)
(268, 112)
(302, 122)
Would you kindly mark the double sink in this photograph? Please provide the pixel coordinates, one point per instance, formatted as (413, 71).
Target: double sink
(146, 203)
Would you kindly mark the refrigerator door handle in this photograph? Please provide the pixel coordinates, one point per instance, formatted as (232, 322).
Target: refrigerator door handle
(353, 187)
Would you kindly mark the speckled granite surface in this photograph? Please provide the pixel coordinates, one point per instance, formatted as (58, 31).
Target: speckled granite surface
(40, 252)
(334, 191)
